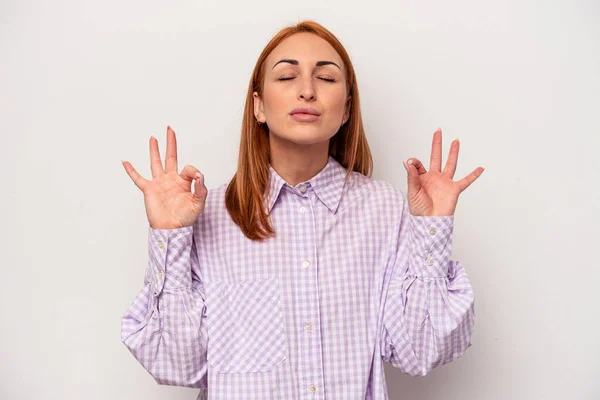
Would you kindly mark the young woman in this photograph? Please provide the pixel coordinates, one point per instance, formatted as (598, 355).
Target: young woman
(302, 275)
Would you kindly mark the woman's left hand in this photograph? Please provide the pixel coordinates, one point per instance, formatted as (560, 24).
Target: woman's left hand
(434, 193)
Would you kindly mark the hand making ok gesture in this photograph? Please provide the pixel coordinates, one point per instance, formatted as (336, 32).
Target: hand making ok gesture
(433, 192)
(170, 203)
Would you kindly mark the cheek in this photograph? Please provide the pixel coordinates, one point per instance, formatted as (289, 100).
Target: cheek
(275, 101)
(337, 102)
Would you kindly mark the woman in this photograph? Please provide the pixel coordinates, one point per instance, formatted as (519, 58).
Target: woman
(302, 275)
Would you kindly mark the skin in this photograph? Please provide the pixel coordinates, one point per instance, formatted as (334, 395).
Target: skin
(169, 201)
(299, 149)
(433, 192)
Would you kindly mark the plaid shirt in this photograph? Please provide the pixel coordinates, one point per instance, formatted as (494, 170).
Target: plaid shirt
(351, 280)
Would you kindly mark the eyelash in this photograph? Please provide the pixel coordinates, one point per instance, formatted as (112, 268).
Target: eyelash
(324, 79)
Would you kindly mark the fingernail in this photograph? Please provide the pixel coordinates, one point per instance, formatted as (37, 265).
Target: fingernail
(405, 166)
(410, 161)
(198, 175)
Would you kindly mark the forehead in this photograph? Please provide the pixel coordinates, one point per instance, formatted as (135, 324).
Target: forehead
(306, 48)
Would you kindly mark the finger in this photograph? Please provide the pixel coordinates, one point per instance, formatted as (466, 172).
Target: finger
(436, 151)
(467, 180)
(155, 164)
(415, 162)
(171, 157)
(200, 189)
(450, 168)
(189, 173)
(413, 178)
(135, 177)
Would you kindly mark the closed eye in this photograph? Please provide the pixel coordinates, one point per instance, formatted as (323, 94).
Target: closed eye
(322, 78)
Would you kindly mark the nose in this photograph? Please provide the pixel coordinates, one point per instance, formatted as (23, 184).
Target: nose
(307, 95)
(307, 90)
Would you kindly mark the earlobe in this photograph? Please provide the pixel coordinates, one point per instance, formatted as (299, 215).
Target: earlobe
(257, 107)
(347, 113)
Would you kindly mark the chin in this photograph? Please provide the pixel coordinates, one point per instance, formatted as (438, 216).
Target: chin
(306, 136)
(301, 134)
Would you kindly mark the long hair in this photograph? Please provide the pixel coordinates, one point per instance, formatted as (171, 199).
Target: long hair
(245, 192)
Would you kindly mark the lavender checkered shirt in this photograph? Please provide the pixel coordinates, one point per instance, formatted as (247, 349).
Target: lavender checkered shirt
(351, 280)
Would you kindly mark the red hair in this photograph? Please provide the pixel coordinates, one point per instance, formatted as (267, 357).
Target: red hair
(244, 194)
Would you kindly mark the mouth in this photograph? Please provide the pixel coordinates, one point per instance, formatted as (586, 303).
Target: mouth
(304, 117)
(305, 114)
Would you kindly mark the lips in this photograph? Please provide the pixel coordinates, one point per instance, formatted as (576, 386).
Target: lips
(305, 114)
(305, 111)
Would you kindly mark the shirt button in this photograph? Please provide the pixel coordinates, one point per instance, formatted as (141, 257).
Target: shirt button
(161, 245)
(312, 388)
(302, 189)
(305, 264)
(432, 231)
(302, 209)
(308, 326)
(160, 273)
(429, 261)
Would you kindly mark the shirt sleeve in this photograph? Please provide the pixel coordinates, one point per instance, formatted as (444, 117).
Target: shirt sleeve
(429, 311)
(165, 325)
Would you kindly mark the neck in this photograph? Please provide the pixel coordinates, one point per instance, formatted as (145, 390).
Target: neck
(297, 163)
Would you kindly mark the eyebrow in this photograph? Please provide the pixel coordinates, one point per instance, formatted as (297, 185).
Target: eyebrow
(318, 64)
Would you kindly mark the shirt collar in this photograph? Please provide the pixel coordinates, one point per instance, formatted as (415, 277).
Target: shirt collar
(327, 185)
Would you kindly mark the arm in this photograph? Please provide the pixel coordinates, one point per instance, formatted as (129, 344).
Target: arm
(429, 311)
(165, 325)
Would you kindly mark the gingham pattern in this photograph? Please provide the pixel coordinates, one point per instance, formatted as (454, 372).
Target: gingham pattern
(351, 280)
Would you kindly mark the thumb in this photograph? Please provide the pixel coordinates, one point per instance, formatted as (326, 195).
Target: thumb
(200, 189)
(192, 174)
(414, 183)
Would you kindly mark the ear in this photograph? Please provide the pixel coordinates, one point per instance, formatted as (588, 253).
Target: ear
(258, 108)
(347, 112)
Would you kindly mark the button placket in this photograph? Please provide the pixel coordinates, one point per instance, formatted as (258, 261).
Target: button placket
(308, 327)
(161, 245)
(160, 274)
(432, 232)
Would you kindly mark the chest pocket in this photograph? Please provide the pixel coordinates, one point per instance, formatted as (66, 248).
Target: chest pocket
(245, 326)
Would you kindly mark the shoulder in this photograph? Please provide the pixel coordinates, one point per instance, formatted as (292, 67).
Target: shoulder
(215, 201)
(214, 207)
(378, 192)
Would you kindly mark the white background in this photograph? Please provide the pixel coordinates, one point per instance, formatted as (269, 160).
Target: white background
(84, 84)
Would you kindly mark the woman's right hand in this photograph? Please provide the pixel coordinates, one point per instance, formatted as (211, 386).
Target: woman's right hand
(170, 203)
